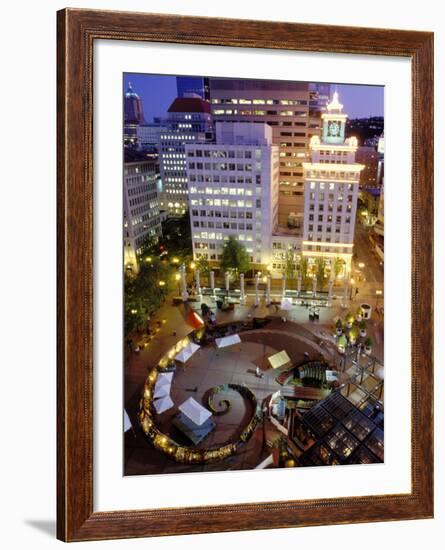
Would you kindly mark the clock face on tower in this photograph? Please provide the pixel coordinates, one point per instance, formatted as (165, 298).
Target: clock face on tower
(333, 129)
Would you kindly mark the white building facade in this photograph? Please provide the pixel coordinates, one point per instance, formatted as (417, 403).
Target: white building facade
(189, 121)
(233, 191)
(331, 192)
(141, 208)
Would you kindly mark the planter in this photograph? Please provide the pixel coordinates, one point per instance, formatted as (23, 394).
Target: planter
(368, 350)
(363, 332)
(339, 331)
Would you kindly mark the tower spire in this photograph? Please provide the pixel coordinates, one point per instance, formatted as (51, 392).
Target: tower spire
(335, 104)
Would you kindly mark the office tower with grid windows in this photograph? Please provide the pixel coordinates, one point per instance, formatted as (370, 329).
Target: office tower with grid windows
(284, 106)
(141, 206)
(188, 121)
(233, 189)
(331, 192)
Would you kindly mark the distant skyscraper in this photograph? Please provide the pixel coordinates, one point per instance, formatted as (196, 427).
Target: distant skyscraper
(133, 114)
(198, 85)
(320, 95)
(188, 121)
(284, 105)
(331, 191)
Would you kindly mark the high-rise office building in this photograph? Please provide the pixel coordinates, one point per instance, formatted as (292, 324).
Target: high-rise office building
(369, 157)
(320, 94)
(285, 106)
(233, 189)
(141, 207)
(197, 85)
(188, 121)
(133, 114)
(331, 191)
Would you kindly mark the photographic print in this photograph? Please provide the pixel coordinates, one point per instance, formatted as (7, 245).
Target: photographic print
(253, 273)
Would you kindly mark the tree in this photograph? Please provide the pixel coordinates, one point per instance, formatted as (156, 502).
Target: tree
(304, 269)
(235, 258)
(338, 266)
(289, 266)
(144, 293)
(203, 266)
(320, 272)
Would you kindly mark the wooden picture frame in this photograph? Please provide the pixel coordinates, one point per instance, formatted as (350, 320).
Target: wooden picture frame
(77, 31)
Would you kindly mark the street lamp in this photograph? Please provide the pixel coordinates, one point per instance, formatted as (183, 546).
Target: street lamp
(378, 293)
(352, 287)
(177, 279)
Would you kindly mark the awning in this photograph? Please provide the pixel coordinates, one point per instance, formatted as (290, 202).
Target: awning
(162, 390)
(164, 378)
(196, 412)
(280, 359)
(127, 422)
(185, 354)
(228, 341)
(163, 404)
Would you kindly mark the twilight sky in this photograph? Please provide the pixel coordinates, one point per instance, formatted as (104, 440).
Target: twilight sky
(157, 93)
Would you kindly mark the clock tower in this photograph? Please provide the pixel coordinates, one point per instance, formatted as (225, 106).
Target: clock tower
(334, 122)
(330, 193)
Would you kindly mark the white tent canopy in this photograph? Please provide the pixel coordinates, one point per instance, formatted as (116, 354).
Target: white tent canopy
(163, 404)
(196, 412)
(185, 354)
(228, 341)
(286, 303)
(162, 390)
(127, 422)
(164, 378)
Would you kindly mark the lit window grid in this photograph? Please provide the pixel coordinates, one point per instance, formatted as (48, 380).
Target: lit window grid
(209, 242)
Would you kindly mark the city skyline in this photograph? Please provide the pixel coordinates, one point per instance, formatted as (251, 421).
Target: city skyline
(157, 92)
(253, 221)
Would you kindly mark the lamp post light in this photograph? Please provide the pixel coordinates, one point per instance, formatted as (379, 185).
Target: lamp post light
(352, 288)
(184, 293)
(378, 293)
(212, 282)
(198, 282)
(257, 282)
(242, 295)
(268, 290)
(177, 279)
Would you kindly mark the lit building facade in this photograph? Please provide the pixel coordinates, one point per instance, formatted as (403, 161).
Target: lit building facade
(369, 157)
(285, 106)
(141, 208)
(233, 190)
(149, 135)
(189, 121)
(331, 191)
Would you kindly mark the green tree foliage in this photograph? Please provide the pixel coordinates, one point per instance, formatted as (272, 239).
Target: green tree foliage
(338, 266)
(143, 294)
(320, 272)
(290, 266)
(304, 270)
(235, 258)
(204, 268)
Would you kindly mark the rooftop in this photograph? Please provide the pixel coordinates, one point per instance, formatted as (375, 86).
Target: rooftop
(189, 105)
